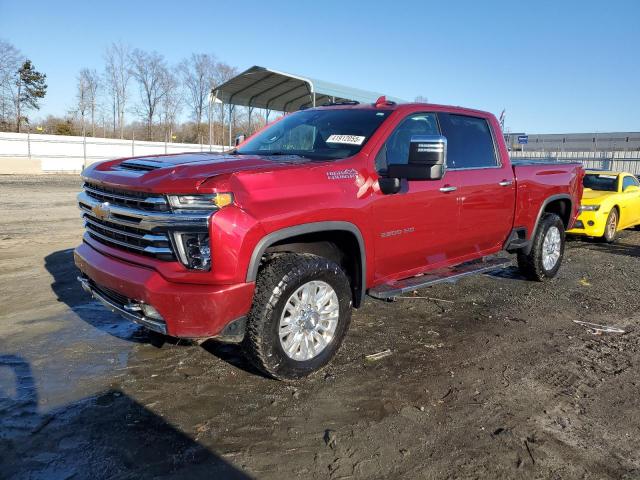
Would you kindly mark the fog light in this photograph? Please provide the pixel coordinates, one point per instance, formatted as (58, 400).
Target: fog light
(193, 250)
(591, 223)
(151, 312)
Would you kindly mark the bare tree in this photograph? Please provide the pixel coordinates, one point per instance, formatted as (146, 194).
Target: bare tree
(91, 83)
(224, 72)
(198, 76)
(150, 71)
(10, 61)
(117, 76)
(171, 104)
(82, 100)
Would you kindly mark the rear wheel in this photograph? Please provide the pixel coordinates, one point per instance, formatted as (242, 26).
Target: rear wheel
(547, 249)
(611, 228)
(300, 314)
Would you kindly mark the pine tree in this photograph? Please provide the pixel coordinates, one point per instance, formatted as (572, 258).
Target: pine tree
(30, 88)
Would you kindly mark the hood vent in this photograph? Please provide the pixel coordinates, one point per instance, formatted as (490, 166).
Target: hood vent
(139, 165)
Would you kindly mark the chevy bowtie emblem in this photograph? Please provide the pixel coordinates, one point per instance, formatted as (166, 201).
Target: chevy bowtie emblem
(101, 210)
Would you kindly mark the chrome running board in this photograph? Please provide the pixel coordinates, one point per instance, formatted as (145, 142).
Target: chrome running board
(394, 289)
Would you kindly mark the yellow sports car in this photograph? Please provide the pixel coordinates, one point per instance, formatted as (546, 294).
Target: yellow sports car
(610, 203)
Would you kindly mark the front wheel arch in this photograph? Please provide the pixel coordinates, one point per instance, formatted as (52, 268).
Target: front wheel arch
(293, 235)
(611, 238)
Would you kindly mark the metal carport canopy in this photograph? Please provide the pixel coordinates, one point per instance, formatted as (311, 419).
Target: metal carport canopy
(260, 87)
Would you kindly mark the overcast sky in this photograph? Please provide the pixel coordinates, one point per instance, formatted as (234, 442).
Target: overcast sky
(556, 67)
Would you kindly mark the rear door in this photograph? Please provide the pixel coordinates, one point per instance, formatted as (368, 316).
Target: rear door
(485, 188)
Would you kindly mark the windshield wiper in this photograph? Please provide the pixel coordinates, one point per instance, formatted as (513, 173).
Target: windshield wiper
(281, 153)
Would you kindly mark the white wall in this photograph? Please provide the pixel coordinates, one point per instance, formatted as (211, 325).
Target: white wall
(57, 153)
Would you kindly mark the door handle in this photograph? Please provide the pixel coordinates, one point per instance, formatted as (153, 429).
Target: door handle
(448, 189)
(505, 183)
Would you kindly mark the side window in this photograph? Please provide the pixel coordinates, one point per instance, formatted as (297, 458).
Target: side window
(396, 149)
(469, 141)
(629, 181)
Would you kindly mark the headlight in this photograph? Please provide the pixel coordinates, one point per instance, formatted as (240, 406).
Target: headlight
(193, 250)
(589, 208)
(211, 201)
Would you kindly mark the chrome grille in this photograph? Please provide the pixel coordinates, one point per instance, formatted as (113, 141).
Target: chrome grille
(133, 221)
(128, 238)
(141, 200)
(117, 298)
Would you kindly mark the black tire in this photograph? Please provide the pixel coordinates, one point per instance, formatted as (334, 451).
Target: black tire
(611, 232)
(279, 277)
(531, 265)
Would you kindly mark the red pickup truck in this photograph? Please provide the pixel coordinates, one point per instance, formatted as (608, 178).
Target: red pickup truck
(272, 244)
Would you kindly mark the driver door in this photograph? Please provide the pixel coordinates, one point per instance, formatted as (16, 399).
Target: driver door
(417, 226)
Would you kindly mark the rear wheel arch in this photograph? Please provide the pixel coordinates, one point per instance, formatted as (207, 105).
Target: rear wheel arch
(341, 242)
(560, 205)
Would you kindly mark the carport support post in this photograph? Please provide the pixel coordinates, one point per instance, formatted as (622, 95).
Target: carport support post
(84, 150)
(222, 125)
(212, 99)
(210, 125)
(230, 134)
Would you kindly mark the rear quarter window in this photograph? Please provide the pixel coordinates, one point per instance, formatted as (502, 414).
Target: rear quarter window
(469, 141)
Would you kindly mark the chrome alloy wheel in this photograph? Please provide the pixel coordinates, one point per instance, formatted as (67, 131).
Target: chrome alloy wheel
(612, 225)
(309, 320)
(551, 247)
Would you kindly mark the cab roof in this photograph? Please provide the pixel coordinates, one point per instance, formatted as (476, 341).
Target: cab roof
(408, 107)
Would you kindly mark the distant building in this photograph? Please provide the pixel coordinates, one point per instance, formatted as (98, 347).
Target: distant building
(576, 142)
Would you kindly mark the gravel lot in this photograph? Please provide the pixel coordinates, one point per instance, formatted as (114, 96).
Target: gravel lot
(489, 378)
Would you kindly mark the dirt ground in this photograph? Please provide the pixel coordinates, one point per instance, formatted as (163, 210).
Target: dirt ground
(488, 378)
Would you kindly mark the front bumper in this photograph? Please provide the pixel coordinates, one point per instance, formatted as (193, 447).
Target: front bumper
(187, 310)
(126, 307)
(590, 223)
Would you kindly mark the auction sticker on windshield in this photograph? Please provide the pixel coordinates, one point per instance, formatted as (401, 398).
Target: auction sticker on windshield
(347, 139)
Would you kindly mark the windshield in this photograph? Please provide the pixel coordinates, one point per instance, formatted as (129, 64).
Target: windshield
(317, 134)
(601, 182)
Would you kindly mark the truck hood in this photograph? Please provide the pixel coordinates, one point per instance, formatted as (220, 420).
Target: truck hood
(182, 172)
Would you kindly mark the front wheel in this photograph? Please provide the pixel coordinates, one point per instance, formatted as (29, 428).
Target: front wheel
(611, 228)
(300, 314)
(547, 250)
